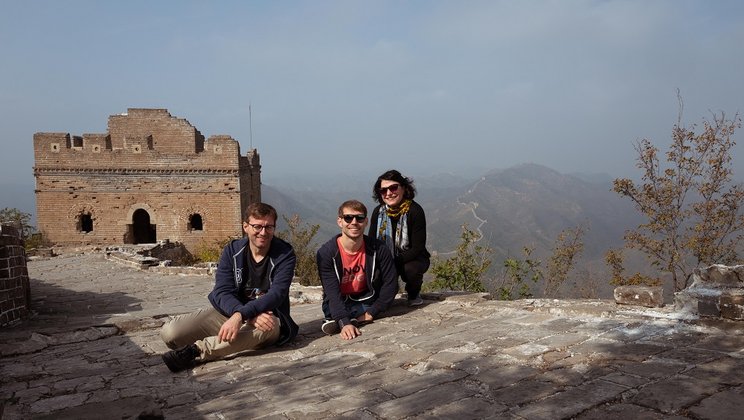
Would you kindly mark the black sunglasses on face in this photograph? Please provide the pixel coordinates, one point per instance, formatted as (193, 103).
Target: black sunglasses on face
(392, 188)
(348, 218)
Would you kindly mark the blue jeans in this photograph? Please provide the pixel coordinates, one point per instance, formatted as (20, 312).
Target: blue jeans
(355, 308)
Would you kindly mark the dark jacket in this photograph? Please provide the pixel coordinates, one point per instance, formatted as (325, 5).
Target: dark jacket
(380, 273)
(228, 297)
(416, 234)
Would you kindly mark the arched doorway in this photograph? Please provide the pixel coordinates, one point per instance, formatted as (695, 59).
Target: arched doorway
(142, 231)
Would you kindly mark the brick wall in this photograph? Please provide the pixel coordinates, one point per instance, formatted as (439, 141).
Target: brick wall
(89, 188)
(15, 293)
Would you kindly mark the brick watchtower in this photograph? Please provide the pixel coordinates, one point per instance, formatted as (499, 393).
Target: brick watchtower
(151, 177)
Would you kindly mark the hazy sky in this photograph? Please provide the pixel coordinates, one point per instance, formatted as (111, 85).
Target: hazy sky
(339, 86)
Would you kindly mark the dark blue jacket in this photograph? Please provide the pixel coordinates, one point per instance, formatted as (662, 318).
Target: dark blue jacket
(228, 297)
(380, 272)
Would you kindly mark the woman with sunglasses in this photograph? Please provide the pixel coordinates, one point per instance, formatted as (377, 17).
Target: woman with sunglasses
(400, 222)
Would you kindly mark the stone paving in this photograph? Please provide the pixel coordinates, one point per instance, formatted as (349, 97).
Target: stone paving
(92, 350)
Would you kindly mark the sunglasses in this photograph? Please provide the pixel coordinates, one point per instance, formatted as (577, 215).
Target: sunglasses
(393, 188)
(348, 218)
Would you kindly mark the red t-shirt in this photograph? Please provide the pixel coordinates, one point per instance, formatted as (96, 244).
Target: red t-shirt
(353, 278)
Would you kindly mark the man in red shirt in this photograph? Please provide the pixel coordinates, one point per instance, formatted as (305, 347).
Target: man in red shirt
(357, 273)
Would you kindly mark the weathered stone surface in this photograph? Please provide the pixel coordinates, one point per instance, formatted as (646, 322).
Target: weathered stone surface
(709, 305)
(621, 411)
(672, 394)
(650, 297)
(732, 305)
(572, 401)
(716, 291)
(718, 275)
(472, 407)
(728, 404)
(421, 401)
(97, 326)
(122, 408)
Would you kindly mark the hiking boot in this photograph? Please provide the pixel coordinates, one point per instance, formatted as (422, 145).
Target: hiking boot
(181, 359)
(417, 301)
(330, 327)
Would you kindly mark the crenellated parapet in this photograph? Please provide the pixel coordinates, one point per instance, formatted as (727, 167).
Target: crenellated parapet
(141, 138)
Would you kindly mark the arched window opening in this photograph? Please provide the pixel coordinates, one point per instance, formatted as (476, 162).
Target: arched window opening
(195, 222)
(85, 223)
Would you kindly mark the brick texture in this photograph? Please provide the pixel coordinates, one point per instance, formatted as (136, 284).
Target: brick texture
(151, 177)
(15, 293)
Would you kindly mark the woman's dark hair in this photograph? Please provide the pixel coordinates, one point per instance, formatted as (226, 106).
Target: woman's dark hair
(393, 175)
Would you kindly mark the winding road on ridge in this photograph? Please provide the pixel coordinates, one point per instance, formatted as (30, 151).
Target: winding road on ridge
(472, 206)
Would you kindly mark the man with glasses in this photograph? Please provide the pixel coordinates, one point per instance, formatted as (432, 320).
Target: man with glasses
(249, 303)
(357, 272)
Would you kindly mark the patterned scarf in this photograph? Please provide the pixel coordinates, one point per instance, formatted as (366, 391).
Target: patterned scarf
(399, 241)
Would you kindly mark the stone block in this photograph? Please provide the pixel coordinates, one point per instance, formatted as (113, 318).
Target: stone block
(718, 275)
(650, 297)
(732, 305)
(709, 306)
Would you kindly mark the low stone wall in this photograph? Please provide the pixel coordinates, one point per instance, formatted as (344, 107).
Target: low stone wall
(15, 292)
(650, 297)
(143, 262)
(716, 291)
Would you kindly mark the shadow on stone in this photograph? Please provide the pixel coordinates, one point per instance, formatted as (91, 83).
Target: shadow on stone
(461, 357)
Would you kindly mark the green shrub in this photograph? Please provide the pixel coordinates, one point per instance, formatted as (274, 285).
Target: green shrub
(206, 252)
(518, 273)
(462, 272)
(301, 237)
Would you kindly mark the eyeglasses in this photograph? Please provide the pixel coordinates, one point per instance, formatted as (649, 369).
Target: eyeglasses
(258, 228)
(348, 218)
(392, 188)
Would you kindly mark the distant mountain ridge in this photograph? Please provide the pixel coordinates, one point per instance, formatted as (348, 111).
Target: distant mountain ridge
(530, 204)
(525, 205)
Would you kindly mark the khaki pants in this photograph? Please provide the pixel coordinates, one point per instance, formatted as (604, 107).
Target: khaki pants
(203, 326)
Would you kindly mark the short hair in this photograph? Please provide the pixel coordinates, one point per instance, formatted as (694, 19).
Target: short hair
(259, 211)
(355, 205)
(393, 175)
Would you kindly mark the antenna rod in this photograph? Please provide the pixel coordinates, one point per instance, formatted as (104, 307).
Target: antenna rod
(250, 125)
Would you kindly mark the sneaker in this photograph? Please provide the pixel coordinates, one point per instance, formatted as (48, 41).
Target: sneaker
(417, 301)
(181, 359)
(330, 327)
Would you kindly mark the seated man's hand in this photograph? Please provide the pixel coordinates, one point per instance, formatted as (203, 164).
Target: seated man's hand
(349, 332)
(229, 330)
(263, 322)
(365, 317)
